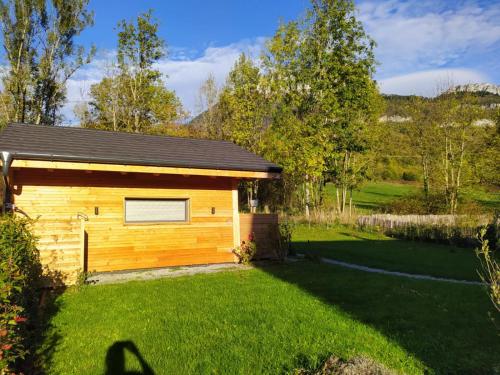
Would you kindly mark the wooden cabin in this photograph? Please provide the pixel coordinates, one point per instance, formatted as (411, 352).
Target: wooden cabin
(108, 201)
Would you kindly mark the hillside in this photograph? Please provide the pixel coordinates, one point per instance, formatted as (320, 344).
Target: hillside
(487, 94)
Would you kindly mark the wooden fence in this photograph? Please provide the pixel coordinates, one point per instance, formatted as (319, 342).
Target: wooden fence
(394, 221)
(264, 228)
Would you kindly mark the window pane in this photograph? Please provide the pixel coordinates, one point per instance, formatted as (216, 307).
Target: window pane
(146, 210)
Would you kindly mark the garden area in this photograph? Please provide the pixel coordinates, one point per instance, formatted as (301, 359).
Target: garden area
(280, 317)
(276, 317)
(272, 319)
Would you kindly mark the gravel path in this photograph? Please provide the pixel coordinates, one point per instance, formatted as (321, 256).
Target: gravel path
(124, 276)
(395, 273)
(151, 274)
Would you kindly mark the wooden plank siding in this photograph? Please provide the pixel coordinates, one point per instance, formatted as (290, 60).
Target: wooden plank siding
(56, 197)
(264, 228)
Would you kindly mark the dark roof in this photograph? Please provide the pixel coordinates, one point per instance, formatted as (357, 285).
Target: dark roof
(57, 143)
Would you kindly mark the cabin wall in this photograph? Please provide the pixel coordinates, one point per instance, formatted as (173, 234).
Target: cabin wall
(264, 230)
(56, 197)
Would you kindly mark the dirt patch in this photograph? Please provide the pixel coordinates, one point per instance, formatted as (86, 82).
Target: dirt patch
(355, 366)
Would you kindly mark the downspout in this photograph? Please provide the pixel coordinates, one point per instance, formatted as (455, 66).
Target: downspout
(6, 158)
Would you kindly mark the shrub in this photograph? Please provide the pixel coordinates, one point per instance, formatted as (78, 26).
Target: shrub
(490, 273)
(409, 176)
(246, 251)
(20, 272)
(285, 229)
(433, 204)
(417, 204)
(463, 236)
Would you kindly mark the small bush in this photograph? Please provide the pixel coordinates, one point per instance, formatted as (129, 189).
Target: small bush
(20, 272)
(246, 251)
(417, 204)
(285, 229)
(409, 176)
(462, 236)
(490, 273)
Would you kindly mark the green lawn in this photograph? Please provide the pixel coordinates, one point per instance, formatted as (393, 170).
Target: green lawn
(271, 320)
(373, 195)
(486, 198)
(377, 250)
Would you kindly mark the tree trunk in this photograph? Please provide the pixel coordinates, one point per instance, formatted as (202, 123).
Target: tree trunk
(350, 203)
(338, 199)
(425, 173)
(307, 197)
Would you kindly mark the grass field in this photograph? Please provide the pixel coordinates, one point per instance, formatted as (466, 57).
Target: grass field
(270, 321)
(377, 250)
(372, 196)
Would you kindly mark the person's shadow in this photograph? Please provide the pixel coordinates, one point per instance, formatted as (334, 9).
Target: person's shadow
(115, 359)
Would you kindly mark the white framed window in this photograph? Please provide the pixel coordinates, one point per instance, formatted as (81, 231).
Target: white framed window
(156, 210)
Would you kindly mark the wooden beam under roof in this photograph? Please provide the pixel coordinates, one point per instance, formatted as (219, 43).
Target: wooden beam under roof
(18, 163)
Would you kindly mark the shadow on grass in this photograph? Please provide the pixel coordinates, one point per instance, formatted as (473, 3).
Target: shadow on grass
(115, 359)
(44, 337)
(445, 326)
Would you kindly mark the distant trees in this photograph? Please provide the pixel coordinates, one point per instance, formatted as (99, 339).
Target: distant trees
(456, 132)
(450, 146)
(40, 48)
(133, 97)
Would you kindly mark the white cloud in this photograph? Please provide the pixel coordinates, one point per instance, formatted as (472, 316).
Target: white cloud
(421, 34)
(427, 83)
(186, 76)
(420, 43)
(184, 73)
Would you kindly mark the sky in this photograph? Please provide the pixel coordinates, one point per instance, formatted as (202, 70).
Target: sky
(420, 43)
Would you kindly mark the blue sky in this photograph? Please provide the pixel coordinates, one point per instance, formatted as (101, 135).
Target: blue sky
(421, 43)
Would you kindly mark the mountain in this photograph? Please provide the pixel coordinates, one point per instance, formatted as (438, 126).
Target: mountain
(485, 88)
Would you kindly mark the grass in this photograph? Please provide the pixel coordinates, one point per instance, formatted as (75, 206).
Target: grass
(270, 321)
(486, 198)
(372, 196)
(377, 250)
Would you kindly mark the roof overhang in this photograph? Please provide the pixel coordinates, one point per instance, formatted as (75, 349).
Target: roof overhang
(124, 168)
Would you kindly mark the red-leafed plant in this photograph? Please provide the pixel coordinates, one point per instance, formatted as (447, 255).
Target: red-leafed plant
(247, 250)
(12, 324)
(19, 277)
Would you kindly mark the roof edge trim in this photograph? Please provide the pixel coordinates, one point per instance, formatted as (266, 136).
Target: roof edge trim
(127, 168)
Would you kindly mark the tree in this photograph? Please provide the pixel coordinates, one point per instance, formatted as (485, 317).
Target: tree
(243, 112)
(485, 154)
(456, 130)
(39, 41)
(321, 69)
(208, 124)
(242, 106)
(422, 131)
(107, 103)
(133, 97)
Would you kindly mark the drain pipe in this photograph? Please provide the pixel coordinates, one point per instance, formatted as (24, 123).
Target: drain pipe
(6, 158)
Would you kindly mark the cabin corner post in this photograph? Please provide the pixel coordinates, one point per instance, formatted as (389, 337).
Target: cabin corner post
(236, 214)
(6, 158)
